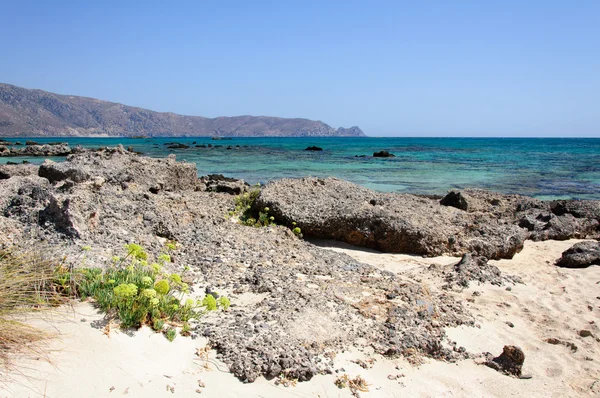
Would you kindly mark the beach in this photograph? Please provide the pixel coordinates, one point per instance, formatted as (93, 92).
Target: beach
(415, 296)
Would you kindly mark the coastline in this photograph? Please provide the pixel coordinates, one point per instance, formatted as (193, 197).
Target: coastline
(545, 168)
(302, 310)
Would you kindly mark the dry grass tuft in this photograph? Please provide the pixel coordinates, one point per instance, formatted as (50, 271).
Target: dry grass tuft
(26, 285)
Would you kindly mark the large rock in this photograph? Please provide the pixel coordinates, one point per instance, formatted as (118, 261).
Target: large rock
(118, 166)
(8, 171)
(220, 183)
(59, 149)
(335, 209)
(577, 208)
(501, 205)
(55, 172)
(581, 255)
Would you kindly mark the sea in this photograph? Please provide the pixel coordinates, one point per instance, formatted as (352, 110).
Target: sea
(545, 168)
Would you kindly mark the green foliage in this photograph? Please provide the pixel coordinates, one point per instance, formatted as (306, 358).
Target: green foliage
(185, 329)
(136, 251)
(244, 205)
(162, 286)
(210, 302)
(158, 325)
(224, 302)
(134, 291)
(170, 334)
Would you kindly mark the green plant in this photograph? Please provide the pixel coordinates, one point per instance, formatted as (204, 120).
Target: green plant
(158, 325)
(170, 334)
(185, 329)
(224, 302)
(136, 292)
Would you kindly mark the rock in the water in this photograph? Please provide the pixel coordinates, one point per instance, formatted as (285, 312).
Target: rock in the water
(178, 145)
(40, 150)
(383, 154)
(581, 255)
(313, 148)
(510, 362)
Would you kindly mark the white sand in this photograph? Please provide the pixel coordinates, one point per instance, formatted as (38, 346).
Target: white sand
(554, 303)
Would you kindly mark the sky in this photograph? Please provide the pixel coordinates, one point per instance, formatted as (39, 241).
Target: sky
(394, 68)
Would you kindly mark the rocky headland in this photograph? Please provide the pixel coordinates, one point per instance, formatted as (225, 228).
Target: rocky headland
(295, 305)
(29, 113)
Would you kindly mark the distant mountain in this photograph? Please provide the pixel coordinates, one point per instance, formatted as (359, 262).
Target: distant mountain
(25, 112)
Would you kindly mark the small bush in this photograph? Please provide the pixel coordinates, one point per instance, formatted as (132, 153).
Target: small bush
(136, 292)
(170, 334)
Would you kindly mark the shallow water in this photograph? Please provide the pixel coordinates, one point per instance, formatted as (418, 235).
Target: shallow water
(546, 168)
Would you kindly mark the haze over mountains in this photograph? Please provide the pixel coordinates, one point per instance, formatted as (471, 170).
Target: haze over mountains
(28, 113)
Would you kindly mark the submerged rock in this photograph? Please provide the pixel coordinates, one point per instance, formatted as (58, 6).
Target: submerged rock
(383, 154)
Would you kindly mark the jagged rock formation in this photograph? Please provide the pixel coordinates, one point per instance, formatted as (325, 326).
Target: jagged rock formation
(25, 112)
(472, 221)
(303, 303)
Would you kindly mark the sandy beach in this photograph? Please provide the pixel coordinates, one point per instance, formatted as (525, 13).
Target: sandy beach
(84, 360)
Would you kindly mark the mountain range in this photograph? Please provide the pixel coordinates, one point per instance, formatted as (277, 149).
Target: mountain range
(36, 113)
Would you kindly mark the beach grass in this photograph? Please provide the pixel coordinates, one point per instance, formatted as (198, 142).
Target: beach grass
(25, 286)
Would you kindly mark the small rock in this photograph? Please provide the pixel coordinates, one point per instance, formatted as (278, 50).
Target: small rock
(585, 333)
(510, 362)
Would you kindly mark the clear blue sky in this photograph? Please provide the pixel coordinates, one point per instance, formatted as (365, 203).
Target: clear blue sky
(391, 67)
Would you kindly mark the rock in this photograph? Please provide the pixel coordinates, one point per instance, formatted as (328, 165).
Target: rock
(401, 223)
(455, 199)
(8, 171)
(39, 150)
(177, 145)
(31, 143)
(383, 154)
(581, 255)
(577, 208)
(510, 362)
(313, 148)
(585, 333)
(476, 269)
(55, 172)
(220, 183)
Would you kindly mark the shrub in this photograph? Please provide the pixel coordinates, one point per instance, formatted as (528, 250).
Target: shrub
(135, 292)
(170, 334)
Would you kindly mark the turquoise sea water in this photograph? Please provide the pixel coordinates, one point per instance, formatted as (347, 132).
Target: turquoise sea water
(547, 168)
